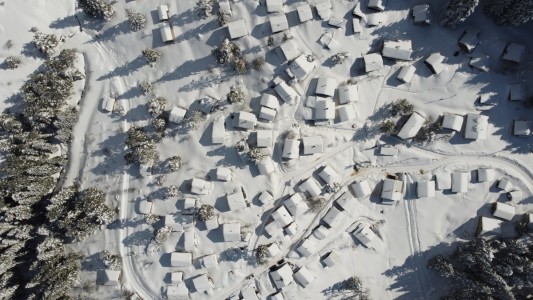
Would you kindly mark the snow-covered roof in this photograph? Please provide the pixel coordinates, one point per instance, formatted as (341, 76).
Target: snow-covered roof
(364, 234)
(218, 131)
(356, 24)
(178, 292)
(361, 188)
(357, 10)
(378, 5)
(330, 259)
(470, 39)
(201, 283)
(304, 277)
(273, 250)
(273, 229)
(406, 73)
(266, 165)
(503, 211)
(326, 86)
(324, 110)
(392, 189)
(333, 217)
(267, 113)
(323, 9)
(375, 19)
(110, 277)
(236, 200)
(177, 114)
(200, 186)
(310, 186)
(265, 197)
(421, 14)
(346, 112)
(459, 182)
(486, 174)
(412, 126)
(347, 202)
(108, 103)
(476, 127)
(279, 23)
(282, 216)
(521, 128)
(304, 12)
(167, 35)
(189, 240)
(308, 247)
(223, 174)
(282, 276)
(435, 63)
(237, 29)
(211, 224)
(285, 92)
(329, 175)
(373, 62)
(312, 145)
(296, 205)
(444, 180)
(224, 7)
(505, 184)
(337, 22)
(514, 52)
(176, 277)
(231, 232)
(454, 122)
(488, 227)
(162, 12)
(278, 296)
(181, 259)
(388, 151)
(321, 232)
(425, 189)
(244, 120)
(291, 229)
(517, 92)
(274, 6)
(301, 67)
(291, 149)
(248, 293)
(264, 138)
(348, 93)
(401, 50)
(290, 49)
(209, 261)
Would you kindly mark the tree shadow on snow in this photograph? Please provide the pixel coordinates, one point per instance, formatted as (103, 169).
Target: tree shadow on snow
(126, 69)
(138, 238)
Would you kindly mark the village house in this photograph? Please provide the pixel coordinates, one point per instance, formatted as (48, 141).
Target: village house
(282, 217)
(392, 190)
(181, 259)
(304, 277)
(425, 189)
(290, 49)
(420, 14)
(310, 186)
(488, 228)
(435, 63)
(459, 182)
(373, 62)
(329, 260)
(400, 50)
(329, 175)
(312, 145)
(364, 234)
(304, 12)
(237, 29)
(486, 174)
(444, 180)
(282, 276)
(412, 126)
(517, 92)
(236, 200)
(324, 110)
(453, 122)
(163, 12)
(285, 92)
(295, 205)
(279, 23)
(264, 138)
(361, 188)
(323, 9)
(274, 6)
(109, 277)
(291, 149)
(514, 53)
(218, 131)
(348, 93)
(521, 128)
(476, 127)
(346, 112)
(334, 217)
(244, 120)
(503, 211)
(266, 165)
(406, 74)
(202, 283)
(378, 5)
(167, 34)
(326, 86)
(470, 39)
(231, 232)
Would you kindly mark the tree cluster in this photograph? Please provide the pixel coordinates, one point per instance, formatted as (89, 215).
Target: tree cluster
(226, 52)
(97, 9)
(152, 56)
(141, 147)
(204, 8)
(137, 20)
(205, 212)
(457, 12)
(510, 12)
(235, 95)
(46, 43)
(13, 62)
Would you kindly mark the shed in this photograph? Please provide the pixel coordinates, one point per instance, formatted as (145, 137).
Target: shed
(162, 12)
(304, 277)
(266, 165)
(291, 149)
(236, 200)
(373, 62)
(301, 67)
(421, 14)
(282, 216)
(330, 259)
(521, 128)
(237, 29)
(109, 277)
(279, 23)
(312, 145)
(444, 180)
(324, 110)
(291, 229)
(201, 283)
(412, 126)
(503, 211)
(361, 188)
(304, 12)
(176, 277)
(323, 9)
(388, 151)
(486, 174)
(177, 114)
(400, 50)
(364, 234)
(337, 22)
(378, 5)
(514, 195)
(274, 6)
(290, 49)
(406, 74)
(308, 247)
(356, 25)
(209, 261)
(459, 182)
(329, 175)
(435, 63)
(264, 138)
(470, 39)
(375, 19)
(334, 217)
(392, 190)
(357, 10)
(108, 103)
(514, 52)
(167, 35)
(425, 189)
(231, 232)
(244, 120)
(296, 205)
(326, 86)
(453, 122)
(200, 186)
(273, 250)
(346, 112)
(488, 227)
(188, 240)
(218, 131)
(348, 93)
(517, 92)
(180, 259)
(282, 276)
(310, 186)
(285, 92)
(476, 127)
(267, 113)
(506, 185)
(223, 174)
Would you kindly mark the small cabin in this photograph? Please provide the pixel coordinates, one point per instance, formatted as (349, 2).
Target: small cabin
(244, 120)
(486, 174)
(236, 201)
(311, 187)
(296, 205)
(285, 92)
(167, 34)
(108, 103)
(435, 63)
(282, 276)
(304, 277)
(208, 261)
(200, 186)
(488, 227)
(291, 149)
(346, 113)
(267, 113)
(109, 277)
(202, 283)
(425, 189)
(274, 6)
(514, 53)
(266, 165)
(334, 217)
(304, 12)
(459, 182)
(361, 188)
(364, 234)
(326, 86)
(237, 29)
(348, 93)
(282, 217)
(218, 133)
(231, 232)
(312, 145)
(264, 138)
(329, 175)
(406, 74)
(521, 128)
(163, 12)
(476, 127)
(378, 5)
(470, 39)
(324, 110)
(503, 211)
(400, 50)
(279, 23)
(177, 114)
(453, 122)
(300, 68)
(421, 14)
(290, 49)
(392, 190)
(373, 62)
(412, 126)
(180, 259)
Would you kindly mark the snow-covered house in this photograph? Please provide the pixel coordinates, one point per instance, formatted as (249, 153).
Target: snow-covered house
(459, 182)
(200, 186)
(476, 127)
(304, 277)
(515, 195)
(282, 217)
(321, 232)
(285, 92)
(392, 190)
(347, 202)
(248, 293)
(265, 197)
(373, 62)
(291, 149)
(211, 224)
(486, 174)
(167, 35)
(223, 174)
(324, 110)
(412, 126)
(277, 296)
(188, 240)
(517, 92)
(378, 5)
(264, 138)
(162, 12)
(308, 247)
(503, 211)
(290, 49)
(267, 113)
(329, 175)
(488, 227)
(177, 114)
(274, 6)
(453, 122)
(266, 165)
(400, 50)
(109, 277)
(364, 234)
(505, 184)
(514, 53)
(296, 205)
(312, 145)
(357, 12)
(273, 250)
(310, 186)
(236, 200)
(279, 23)
(304, 12)
(348, 93)
(337, 22)
(470, 39)
(282, 276)
(231, 232)
(202, 283)
(218, 131)
(334, 217)
(209, 261)
(301, 67)
(361, 188)
(375, 19)
(330, 259)
(326, 86)
(425, 189)
(444, 180)
(435, 63)
(406, 74)
(291, 229)
(346, 112)
(521, 128)
(323, 9)
(244, 120)
(108, 103)
(356, 24)
(237, 29)
(421, 14)
(176, 277)
(180, 259)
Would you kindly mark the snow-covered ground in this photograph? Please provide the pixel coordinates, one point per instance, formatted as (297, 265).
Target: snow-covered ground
(410, 231)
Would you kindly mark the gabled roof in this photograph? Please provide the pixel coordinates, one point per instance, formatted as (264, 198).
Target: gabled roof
(237, 29)
(245, 120)
(348, 93)
(291, 149)
(312, 145)
(514, 52)
(459, 182)
(476, 127)
(425, 189)
(373, 62)
(326, 86)
(470, 39)
(503, 211)
(406, 73)
(279, 23)
(304, 12)
(397, 49)
(301, 67)
(324, 109)
(282, 216)
(392, 189)
(346, 112)
(412, 126)
(274, 6)
(310, 186)
(435, 63)
(454, 122)
(329, 175)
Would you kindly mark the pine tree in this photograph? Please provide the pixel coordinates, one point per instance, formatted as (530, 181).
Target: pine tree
(457, 12)
(97, 9)
(156, 106)
(137, 20)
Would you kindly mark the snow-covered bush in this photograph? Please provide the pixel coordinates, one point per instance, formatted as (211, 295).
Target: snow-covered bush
(387, 127)
(401, 107)
(258, 63)
(111, 261)
(235, 95)
(151, 219)
(226, 52)
(13, 62)
(428, 131)
(156, 106)
(315, 204)
(262, 254)
(193, 120)
(270, 41)
(160, 180)
(510, 12)
(119, 110)
(339, 58)
(159, 124)
(141, 148)
(457, 12)
(152, 56)
(97, 9)
(242, 146)
(172, 191)
(46, 43)
(161, 235)
(175, 163)
(204, 8)
(240, 65)
(256, 154)
(136, 19)
(205, 212)
(222, 18)
(147, 87)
